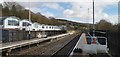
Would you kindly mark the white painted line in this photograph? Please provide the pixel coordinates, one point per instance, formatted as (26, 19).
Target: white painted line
(77, 45)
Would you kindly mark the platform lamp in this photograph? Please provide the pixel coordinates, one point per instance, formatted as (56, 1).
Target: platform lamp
(94, 39)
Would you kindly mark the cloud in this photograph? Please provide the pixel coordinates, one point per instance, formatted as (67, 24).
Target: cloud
(43, 12)
(41, 5)
(1, 1)
(52, 5)
(113, 19)
(80, 10)
(68, 13)
(31, 4)
(48, 14)
(35, 10)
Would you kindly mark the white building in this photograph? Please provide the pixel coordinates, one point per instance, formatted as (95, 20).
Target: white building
(35, 26)
(63, 27)
(11, 23)
(16, 23)
(25, 24)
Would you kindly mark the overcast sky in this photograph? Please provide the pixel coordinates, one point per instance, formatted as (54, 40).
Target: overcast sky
(75, 10)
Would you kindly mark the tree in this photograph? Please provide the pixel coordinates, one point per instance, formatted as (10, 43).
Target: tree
(5, 11)
(13, 10)
(0, 9)
(104, 25)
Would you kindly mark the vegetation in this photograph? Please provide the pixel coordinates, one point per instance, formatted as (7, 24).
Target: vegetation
(105, 25)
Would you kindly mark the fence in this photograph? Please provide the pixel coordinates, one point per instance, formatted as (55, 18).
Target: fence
(14, 35)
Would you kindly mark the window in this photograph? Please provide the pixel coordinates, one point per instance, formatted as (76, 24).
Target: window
(102, 41)
(88, 40)
(13, 22)
(26, 24)
(42, 26)
(36, 25)
(1, 21)
(46, 27)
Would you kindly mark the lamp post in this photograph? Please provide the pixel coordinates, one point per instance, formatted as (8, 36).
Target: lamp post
(93, 21)
(88, 21)
(29, 18)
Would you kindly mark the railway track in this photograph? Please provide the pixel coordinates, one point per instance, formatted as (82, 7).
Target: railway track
(66, 50)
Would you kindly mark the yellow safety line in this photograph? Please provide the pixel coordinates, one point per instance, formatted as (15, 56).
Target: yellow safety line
(85, 40)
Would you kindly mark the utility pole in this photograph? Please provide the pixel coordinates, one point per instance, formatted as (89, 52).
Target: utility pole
(93, 21)
(88, 21)
(29, 18)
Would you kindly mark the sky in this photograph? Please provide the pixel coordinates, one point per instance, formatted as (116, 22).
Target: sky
(74, 10)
